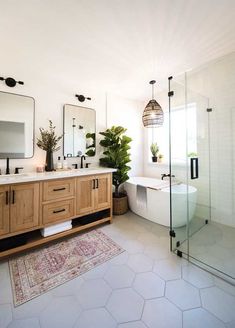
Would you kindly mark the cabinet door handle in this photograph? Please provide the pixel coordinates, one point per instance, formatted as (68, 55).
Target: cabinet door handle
(58, 189)
(93, 181)
(13, 196)
(7, 197)
(97, 183)
(58, 211)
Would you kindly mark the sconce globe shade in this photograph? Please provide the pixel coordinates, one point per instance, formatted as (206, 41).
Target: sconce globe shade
(153, 115)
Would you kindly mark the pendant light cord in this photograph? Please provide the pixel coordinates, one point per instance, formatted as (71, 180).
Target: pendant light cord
(152, 82)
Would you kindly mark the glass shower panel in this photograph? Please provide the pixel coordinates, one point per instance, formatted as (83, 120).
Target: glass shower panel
(213, 246)
(178, 165)
(198, 176)
(189, 149)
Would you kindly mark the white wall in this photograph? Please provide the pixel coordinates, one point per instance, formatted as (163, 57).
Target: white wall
(51, 95)
(128, 113)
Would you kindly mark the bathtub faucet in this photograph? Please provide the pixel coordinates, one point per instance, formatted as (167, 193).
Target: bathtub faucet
(167, 176)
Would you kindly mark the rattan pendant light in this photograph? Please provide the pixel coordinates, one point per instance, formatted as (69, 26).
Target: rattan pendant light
(153, 115)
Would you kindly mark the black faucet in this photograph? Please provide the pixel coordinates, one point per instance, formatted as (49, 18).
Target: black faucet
(83, 157)
(17, 170)
(7, 167)
(167, 176)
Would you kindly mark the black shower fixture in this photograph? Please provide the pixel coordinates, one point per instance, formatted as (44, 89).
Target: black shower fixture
(10, 82)
(82, 98)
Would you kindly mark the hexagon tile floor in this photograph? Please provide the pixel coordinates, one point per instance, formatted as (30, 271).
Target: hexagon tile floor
(144, 287)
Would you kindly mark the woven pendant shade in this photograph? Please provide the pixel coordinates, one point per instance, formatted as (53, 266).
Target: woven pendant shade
(153, 115)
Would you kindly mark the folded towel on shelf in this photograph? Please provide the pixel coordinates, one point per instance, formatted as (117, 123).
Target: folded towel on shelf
(141, 196)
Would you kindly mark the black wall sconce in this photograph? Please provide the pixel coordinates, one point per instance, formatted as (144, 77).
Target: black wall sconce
(10, 82)
(82, 98)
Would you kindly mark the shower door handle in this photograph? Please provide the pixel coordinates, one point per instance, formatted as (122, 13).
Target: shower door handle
(194, 168)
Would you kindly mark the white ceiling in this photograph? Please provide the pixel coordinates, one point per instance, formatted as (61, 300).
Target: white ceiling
(117, 44)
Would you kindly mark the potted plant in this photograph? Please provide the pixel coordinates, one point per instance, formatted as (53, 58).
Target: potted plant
(48, 141)
(154, 150)
(160, 158)
(116, 155)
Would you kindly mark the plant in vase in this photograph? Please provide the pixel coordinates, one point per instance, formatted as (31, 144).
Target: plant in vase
(154, 150)
(117, 156)
(48, 141)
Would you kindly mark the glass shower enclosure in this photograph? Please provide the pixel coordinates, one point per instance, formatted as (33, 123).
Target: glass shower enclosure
(200, 230)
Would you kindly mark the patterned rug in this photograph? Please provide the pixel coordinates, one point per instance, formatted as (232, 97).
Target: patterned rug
(34, 273)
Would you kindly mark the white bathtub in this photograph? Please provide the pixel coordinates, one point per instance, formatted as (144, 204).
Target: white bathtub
(156, 206)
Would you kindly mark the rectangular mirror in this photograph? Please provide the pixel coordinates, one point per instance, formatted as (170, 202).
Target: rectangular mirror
(79, 131)
(16, 126)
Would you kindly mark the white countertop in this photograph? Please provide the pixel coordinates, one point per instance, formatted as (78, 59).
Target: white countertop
(30, 177)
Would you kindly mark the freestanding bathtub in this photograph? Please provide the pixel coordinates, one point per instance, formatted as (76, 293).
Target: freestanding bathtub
(150, 198)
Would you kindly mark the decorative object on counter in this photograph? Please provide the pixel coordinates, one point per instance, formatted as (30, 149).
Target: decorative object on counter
(65, 163)
(40, 168)
(10, 82)
(82, 98)
(48, 141)
(59, 164)
(72, 259)
(154, 150)
(117, 156)
(153, 114)
(160, 158)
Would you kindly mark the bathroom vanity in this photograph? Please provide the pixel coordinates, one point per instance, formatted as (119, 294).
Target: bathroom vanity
(30, 202)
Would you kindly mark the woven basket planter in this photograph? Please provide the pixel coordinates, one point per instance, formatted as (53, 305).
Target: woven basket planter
(120, 205)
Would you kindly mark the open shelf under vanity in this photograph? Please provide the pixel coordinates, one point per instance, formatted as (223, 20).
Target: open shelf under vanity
(34, 238)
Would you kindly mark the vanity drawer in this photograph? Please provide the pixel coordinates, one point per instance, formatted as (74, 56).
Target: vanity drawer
(57, 211)
(56, 189)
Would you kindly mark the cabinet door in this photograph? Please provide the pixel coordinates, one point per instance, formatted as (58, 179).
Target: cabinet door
(85, 203)
(103, 191)
(4, 210)
(24, 210)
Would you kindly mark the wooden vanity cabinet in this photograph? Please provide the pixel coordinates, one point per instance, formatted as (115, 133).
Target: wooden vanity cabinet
(19, 207)
(103, 189)
(58, 200)
(85, 198)
(4, 210)
(93, 193)
(24, 206)
(27, 207)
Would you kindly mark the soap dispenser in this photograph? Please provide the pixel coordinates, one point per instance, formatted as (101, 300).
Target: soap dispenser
(59, 164)
(65, 163)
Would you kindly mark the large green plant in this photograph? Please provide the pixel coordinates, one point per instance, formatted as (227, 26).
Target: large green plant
(116, 154)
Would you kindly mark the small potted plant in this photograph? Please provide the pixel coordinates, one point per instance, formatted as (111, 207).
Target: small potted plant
(160, 158)
(116, 155)
(48, 141)
(154, 150)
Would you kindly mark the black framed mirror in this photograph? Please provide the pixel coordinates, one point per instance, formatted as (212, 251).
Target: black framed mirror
(79, 131)
(17, 117)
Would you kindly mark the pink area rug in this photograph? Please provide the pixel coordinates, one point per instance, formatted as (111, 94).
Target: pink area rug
(34, 273)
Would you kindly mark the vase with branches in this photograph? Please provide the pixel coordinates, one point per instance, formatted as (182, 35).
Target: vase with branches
(48, 141)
